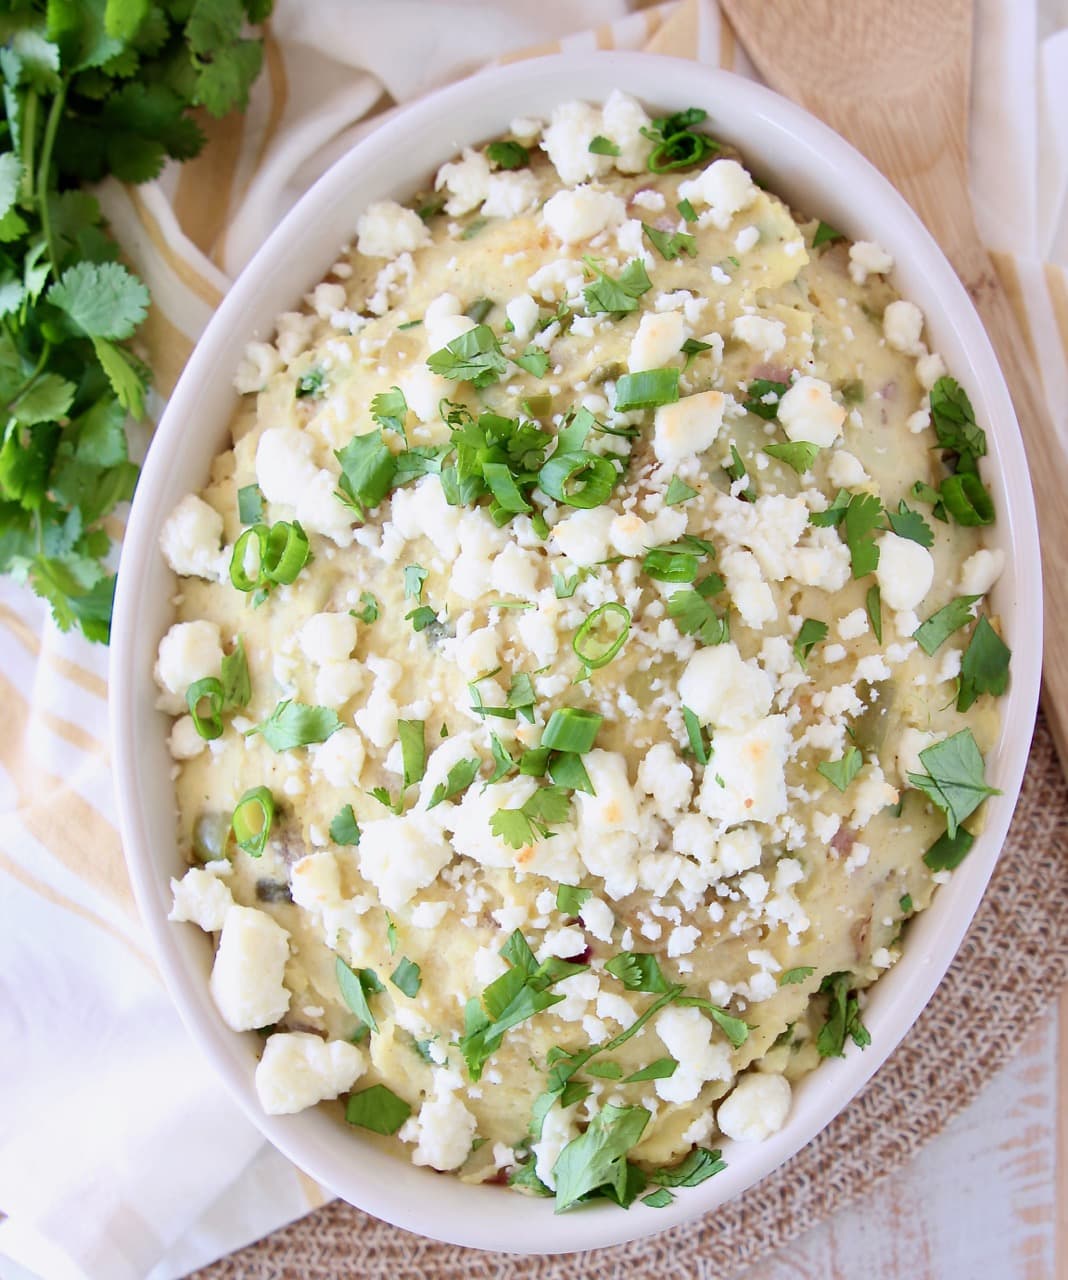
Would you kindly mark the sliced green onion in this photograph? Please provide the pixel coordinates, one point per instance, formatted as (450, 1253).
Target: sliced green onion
(592, 652)
(504, 488)
(667, 565)
(282, 551)
(646, 390)
(967, 500)
(239, 574)
(572, 728)
(578, 479)
(287, 552)
(209, 726)
(252, 820)
(681, 151)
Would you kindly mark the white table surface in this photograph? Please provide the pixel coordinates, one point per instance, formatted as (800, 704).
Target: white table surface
(987, 1199)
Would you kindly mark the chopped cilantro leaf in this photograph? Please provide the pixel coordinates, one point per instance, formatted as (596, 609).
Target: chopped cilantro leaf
(569, 898)
(694, 616)
(508, 154)
(378, 1109)
(907, 523)
(794, 977)
(825, 234)
(531, 821)
(616, 297)
(873, 603)
(458, 779)
(356, 987)
(671, 244)
(390, 409)
(763, 396)
(834, 514)
(474, 356)
(602, 146)
(954, 422)
(406, 977)
(843, 1017)
(954, 780)
(414, 577)
(310, 384)
(344, 829)
(596, 1160)
(737, 474)
(421, 618)
(534, 360)
(250, 504)
(933, 633)
(367, 470)
(295, 724)
(369, 608)
(692, 348)
(798, 454)
(678, 491)
(812, 632)
(948, 852)
(985, 665)
(862, 517)
(693, 1170)
(661, 1069)
(638, 971)
(412, 735)
(840, 773)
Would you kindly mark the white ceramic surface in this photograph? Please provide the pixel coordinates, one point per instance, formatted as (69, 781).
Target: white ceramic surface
(821, 174)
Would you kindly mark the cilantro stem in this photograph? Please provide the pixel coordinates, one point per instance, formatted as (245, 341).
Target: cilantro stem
(29, 142)
(55, 114)
(42, 360)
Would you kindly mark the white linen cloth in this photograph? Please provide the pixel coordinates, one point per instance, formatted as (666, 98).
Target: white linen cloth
(121, 1157)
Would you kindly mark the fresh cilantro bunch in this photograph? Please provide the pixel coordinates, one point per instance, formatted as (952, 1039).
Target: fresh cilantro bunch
(90, 89)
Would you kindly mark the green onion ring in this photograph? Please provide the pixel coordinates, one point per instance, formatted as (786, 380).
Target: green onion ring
(252, 820)
(210, 726)
(592, 659)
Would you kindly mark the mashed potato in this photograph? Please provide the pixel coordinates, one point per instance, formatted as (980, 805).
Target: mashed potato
(579, 661)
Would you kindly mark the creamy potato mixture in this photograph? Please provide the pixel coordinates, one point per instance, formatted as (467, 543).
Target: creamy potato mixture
(580, 665)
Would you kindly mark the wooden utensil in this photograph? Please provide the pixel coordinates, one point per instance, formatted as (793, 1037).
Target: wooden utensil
(893, 77)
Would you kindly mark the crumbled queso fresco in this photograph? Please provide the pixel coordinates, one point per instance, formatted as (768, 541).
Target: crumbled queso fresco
(581, 668)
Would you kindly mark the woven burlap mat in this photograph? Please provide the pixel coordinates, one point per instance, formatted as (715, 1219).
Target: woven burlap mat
(1011, 965)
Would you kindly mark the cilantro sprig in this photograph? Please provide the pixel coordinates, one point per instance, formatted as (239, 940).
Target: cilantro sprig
(88, 90)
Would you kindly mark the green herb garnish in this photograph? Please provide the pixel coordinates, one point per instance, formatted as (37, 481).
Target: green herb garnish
(954, 780)
(378, 1109)
(812, 633)
(616, 297)
(508, 154)
(295, 724)
(406, 977)
(984, 667)
(252, 819)
(840, 773)
(671, 244)
(344, 829)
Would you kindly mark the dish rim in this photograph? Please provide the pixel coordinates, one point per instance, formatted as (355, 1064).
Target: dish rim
(453, 1211)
